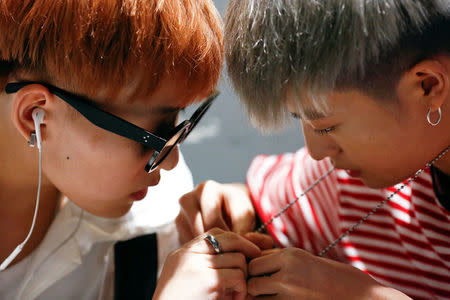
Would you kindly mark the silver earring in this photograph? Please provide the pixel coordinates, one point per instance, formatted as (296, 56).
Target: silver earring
(32, 140)
(438, 120)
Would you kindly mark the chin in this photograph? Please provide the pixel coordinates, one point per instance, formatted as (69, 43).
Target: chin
(379, 183)
(113, 212)
(115, 208)
(119, 212)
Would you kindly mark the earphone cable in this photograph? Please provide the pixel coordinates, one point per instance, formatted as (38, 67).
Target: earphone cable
(19, 248)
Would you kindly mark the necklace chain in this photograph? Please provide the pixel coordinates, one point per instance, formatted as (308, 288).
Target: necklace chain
(363, 219)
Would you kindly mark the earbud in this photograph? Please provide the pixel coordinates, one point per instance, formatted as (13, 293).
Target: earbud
(38, 115)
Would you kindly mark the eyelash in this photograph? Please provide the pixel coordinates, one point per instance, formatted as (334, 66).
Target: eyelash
(324, 131)
(318, 131)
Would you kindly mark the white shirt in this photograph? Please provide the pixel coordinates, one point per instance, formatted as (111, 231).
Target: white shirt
(75, 258)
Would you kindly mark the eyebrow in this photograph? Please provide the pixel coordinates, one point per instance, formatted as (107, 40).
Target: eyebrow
(309, 115)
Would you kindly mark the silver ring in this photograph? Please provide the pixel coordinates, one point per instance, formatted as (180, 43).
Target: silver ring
(214, 243)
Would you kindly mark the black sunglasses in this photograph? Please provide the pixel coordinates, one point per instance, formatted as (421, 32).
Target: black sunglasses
(112, 123)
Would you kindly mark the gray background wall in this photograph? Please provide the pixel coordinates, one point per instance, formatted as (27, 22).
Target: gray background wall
(224, 143)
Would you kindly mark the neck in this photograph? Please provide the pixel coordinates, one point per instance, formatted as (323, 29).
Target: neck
(17, 205)
(443, 164)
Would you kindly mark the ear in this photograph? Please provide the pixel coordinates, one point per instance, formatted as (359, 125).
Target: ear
(428, 82)
(25, 101)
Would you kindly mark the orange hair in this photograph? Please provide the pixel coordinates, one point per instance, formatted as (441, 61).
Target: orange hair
(105, 45)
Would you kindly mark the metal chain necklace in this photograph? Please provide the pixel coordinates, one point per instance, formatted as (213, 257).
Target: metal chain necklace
(363, 219)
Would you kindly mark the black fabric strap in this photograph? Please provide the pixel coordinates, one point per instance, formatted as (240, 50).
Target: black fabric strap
(136, 267)
(441, 185)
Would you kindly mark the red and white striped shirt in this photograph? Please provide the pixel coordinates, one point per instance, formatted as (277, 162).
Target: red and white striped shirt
(404, 245)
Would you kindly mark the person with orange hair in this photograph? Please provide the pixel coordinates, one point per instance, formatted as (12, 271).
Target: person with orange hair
(97, 86)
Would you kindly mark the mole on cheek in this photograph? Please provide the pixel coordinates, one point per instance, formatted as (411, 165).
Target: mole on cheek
(67, 158)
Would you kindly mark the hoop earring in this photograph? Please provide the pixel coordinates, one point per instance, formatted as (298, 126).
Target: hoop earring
(438, 120)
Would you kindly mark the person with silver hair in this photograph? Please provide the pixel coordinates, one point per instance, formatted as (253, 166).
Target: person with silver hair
(363, 211)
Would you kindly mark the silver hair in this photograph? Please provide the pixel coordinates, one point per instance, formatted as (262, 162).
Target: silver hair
(312, 47)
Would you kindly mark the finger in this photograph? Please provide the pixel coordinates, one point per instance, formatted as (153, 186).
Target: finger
(242, 220)
(240, 296)
(191, 211)
(184, 230)
(263, 241)
(211, 206)
(228, 242)
(230, 260)
(265, 285)
(266, 264)
(239, 208)
(270, 251)
(232, 280)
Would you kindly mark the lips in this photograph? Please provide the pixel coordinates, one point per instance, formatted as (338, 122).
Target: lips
(350, 172)
(353, 173)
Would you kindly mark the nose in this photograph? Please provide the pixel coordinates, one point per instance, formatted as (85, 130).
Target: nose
(319, 146)
(171, 160)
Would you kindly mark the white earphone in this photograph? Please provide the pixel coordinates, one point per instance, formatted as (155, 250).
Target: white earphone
(38, 118)
(38, 115)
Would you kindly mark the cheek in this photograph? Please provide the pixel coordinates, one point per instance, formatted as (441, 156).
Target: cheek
(383, 156)
(93, 160)
(368, 136)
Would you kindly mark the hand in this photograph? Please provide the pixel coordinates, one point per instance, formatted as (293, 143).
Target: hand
(292, 273)
(210, 204)
(194, 270)
(263, 241)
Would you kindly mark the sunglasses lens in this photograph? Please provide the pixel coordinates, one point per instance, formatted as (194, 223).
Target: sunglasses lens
(157, 158)
(196, 118)
(180, 135)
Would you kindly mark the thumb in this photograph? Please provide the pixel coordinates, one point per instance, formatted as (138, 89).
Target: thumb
(263, 241)
(241, 220)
